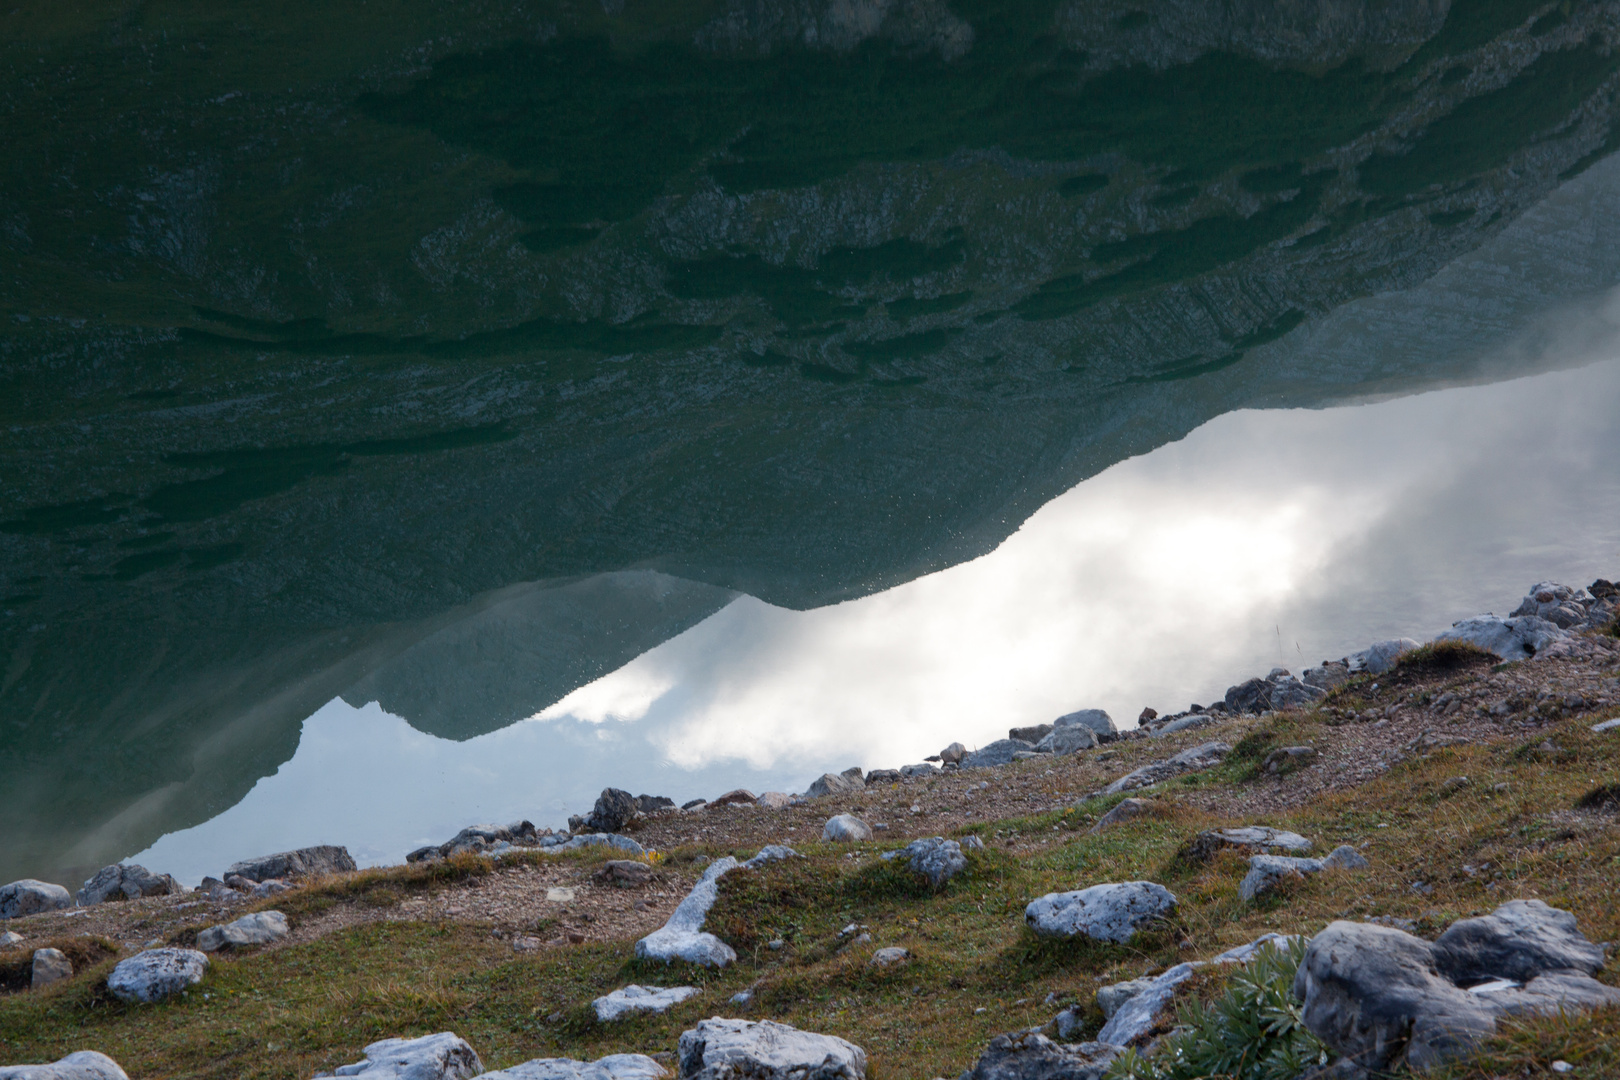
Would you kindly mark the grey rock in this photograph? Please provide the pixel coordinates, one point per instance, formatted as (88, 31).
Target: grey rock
(1248, 697)
(80, 1065)
(1371, 992)
(882, 776)
(611, 1067)
(921, 768)
(1134, 1008)
(652, 804)
(1512, 639)
(735, 797)
(1000, 752)
(1380, 657)
(1029, 1055)
(10, 938)
(1288, 692)
(972, 843)
(835, 784)
(953, 754)
(126, 882)
(1519, 940)
(1110, 998)
(694, 804)
(1331, 674)
(442, 1056)
(682, 937)
(1267, 872)
(258, 928)
(50, 966)
(847, 828)
(1125, 810)
(1068, 740)
(623, 873)
(612, 840)
(30, 897)
(305, 862)
(1097, 720)
(1032, 734)
(723, 1049)
(1560, 605)
(1112, 912)
(1607, 725)
(633, 999)
(1194, 759)
(615, 808)
(1249, 839)
(775, 800)
(1185, 723)
(890, 956)
(771, 853)
(157, 974)
(936, 858)
(273, 887)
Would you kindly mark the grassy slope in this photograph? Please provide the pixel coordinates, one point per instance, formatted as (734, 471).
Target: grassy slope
(290, 1011)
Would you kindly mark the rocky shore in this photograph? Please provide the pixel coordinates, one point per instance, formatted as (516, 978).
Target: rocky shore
(1228, 814)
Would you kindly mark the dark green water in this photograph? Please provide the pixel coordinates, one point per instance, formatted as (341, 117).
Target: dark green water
(326, 328)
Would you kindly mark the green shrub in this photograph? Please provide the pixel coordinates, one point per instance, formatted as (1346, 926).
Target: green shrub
(1252, 1031)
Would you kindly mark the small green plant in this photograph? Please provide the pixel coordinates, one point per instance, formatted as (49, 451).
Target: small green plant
(1252, 1031)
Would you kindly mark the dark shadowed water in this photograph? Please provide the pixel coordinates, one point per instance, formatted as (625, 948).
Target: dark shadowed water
(415, 418)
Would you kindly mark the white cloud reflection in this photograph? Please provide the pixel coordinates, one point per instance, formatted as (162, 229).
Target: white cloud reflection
(1263, 538)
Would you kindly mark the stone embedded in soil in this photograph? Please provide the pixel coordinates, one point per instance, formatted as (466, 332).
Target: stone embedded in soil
(1124, 811)
(849, 780)
(1112, 912)
(441, 1056)
(1196, 720)
(611, 1067)
(634, 999)
(953, 754)
(846, 828)
(1033, 734)
(735, 797)
(890, 956)
(1000, 752)
(623, 873)
(1199, 757)
(1267, 872)
(775, 800)
(1372, 993)
(1097, 720)
(126, 882)
(1516, 638)
(1029, 1055)
(1289, 757)
(50, 966)
(935, 858)
(1381, 656)
(305, 862)
(683, 937)
(31, 897)
(80, 1065)
(157, 974)
(1068, 740)
(259, 928)
(720, 1049)
(1248, 839)
(10, 938)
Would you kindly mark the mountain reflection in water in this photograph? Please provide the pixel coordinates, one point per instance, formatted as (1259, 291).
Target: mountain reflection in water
(454, 357)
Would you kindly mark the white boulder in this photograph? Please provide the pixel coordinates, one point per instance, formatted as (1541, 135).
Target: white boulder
(682, 937)
(1517, 638)
(1113, 912)
(635, 999)
(611, 1067)
(846, 828)
(442, 1056)
(81, 1065)
(259, 928)
(1097, 720)
(30, 897)
(721, 1049)
(156, 974)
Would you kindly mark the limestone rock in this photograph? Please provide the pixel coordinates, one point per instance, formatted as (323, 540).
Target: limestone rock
(1512, 639)
(1134, 1008)
(611, 1067)
(720, 1049)
(735, 797)
(775, 800)
(1191, 760)
(921, 768)
(124, 881)
(614, 809)
(10, 938)
(305, 862)
(1032, 734)
(1331, 674)
(771, 853)
(30, 897)
(442, 1056)
(936, 858)
(953, 754)
(1029, 1055)
(1266, 872)
(1068, 740)
(1185, 723)
(999, 752)
(1110, 998)
(259, 928)
(847, 828)
(1097, 720)
(836, 784)
(1287, 692)
(1248, 697)
(612, 840)
(635, 999)
(653, 804)
(682, 937)
(890, 956)
(1113, 912)
(882, 776)
(1560, 605)
(1381, 656)
(1124, 810)
(156, 974)
(1288, 758)
(1370, 991)
(50, 965)
(1248, 839)
(80, 1065)
(1607, 725)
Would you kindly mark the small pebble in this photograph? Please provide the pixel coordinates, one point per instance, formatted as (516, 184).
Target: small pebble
(1562, 1066)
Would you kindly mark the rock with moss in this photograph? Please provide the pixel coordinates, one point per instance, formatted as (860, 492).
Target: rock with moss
(721, 1049)
(80, 1065)
(31, 897)
(441, 1056)
(157, 974)
(1112, 912)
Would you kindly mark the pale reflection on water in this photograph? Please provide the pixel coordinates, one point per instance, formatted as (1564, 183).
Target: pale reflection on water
(1262, 539)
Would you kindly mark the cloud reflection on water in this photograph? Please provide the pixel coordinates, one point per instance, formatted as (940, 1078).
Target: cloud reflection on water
(1263, 538)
